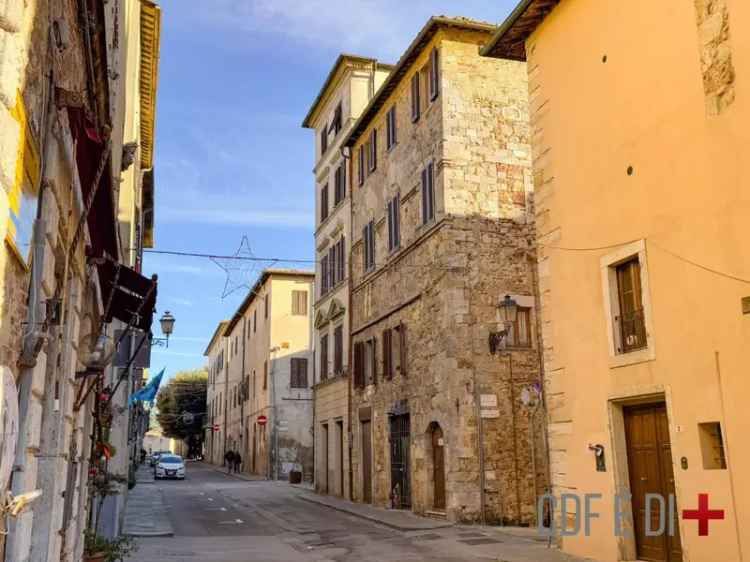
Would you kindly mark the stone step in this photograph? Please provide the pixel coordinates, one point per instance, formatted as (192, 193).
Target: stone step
(435, 514)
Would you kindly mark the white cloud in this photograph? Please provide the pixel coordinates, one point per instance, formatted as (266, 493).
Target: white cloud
(231, 215)
(366, 27)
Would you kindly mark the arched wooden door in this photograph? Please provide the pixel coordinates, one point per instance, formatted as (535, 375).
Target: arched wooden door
(438, 468)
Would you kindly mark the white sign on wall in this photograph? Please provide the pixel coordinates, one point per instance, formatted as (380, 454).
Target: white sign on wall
(488, 400)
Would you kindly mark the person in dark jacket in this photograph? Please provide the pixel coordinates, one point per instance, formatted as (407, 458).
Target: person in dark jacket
(237, 461)
(229, 460)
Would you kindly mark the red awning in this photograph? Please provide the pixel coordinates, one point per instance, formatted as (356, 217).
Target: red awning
(102, 219)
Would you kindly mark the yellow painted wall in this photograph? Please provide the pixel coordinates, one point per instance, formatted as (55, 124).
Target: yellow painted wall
(688, 196)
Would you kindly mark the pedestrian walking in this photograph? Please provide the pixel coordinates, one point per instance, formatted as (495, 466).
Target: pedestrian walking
(237, 461)
(229, 460)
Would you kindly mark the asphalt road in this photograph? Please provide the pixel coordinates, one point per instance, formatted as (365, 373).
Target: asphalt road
(219, 518)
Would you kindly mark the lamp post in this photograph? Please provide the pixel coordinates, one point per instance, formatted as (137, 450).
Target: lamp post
(498, 342)
(509, 313)
(167, 326)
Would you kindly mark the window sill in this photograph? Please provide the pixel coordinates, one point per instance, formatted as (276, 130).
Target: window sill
(632, 358)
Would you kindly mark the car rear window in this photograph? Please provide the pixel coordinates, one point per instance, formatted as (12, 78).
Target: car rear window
(168, 458)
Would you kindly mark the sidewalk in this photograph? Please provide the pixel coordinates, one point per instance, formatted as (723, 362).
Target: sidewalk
(397, 519)
(145, 511)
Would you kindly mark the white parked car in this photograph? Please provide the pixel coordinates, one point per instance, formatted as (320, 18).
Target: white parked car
(170, 466)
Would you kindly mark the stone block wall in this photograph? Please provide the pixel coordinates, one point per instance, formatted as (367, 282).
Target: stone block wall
(450, 314)
(444, 283)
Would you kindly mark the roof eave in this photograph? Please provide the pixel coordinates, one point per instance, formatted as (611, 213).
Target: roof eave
(509, 40)
(406, 60)
(149, 77)
(307, 123)
(265, 274)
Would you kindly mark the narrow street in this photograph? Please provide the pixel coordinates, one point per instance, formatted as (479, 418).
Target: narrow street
(220, 518)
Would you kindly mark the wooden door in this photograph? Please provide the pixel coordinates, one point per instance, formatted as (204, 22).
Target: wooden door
(651, 472)
(438, 469)
(367, 461)
(340, 460)
(324, 460)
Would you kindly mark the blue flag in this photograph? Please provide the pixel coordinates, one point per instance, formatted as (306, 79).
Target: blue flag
(148, 392)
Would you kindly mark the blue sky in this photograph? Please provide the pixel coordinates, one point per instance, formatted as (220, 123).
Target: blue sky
(236, 79)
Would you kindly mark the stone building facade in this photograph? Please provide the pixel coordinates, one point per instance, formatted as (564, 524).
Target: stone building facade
(350, 85)
(263, 407)
(643, 274)
(63, 99)
(217, 353)
(444, 422)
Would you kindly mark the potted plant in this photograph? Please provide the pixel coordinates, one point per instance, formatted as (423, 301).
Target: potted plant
(101, 549)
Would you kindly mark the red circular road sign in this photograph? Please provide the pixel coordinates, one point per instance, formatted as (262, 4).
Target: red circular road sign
(262, 420)
(215, 427)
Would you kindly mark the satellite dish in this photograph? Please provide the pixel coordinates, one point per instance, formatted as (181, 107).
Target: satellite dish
(8, 425)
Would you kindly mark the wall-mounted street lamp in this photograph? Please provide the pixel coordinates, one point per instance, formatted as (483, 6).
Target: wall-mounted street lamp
(167, 326)
(509, 313)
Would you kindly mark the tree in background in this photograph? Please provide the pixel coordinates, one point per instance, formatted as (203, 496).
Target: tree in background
(181, 408)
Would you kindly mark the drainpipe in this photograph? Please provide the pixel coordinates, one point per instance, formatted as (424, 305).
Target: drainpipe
(533, 259)
(34, 337)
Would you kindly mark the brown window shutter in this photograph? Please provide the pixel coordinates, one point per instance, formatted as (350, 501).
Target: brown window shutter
(386, 367)
(402, 348)
(374, 361)
(356, 367)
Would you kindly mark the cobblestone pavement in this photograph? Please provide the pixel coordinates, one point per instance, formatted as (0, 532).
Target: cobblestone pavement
(219, 518)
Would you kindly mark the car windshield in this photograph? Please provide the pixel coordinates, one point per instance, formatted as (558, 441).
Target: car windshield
(168, 458)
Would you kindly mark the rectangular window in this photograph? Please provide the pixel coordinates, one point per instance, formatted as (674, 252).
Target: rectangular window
(361, 165)
(358, 378)
(338, 350)
(339, 191)
(519, 334)
(299, 303)
(323, 140)
(394, 223)
(402, 359)
(332, 257)
(324, 203)
(390, 129)
(631, 322)
(299, 373)
(324, 284)
(428, 193)
(265, 304)
(324, 357)
(387, 354)
(337, 120)
(434, 75)
(341, 261)
(415, 107)
(368, 245)
(265, 375)
(372, 154)
(255, 320)
(371, 362)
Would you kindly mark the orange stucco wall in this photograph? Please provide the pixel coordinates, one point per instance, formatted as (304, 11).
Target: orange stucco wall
(688, 200)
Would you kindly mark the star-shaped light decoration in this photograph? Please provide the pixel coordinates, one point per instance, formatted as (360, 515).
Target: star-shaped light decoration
(241, 268)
